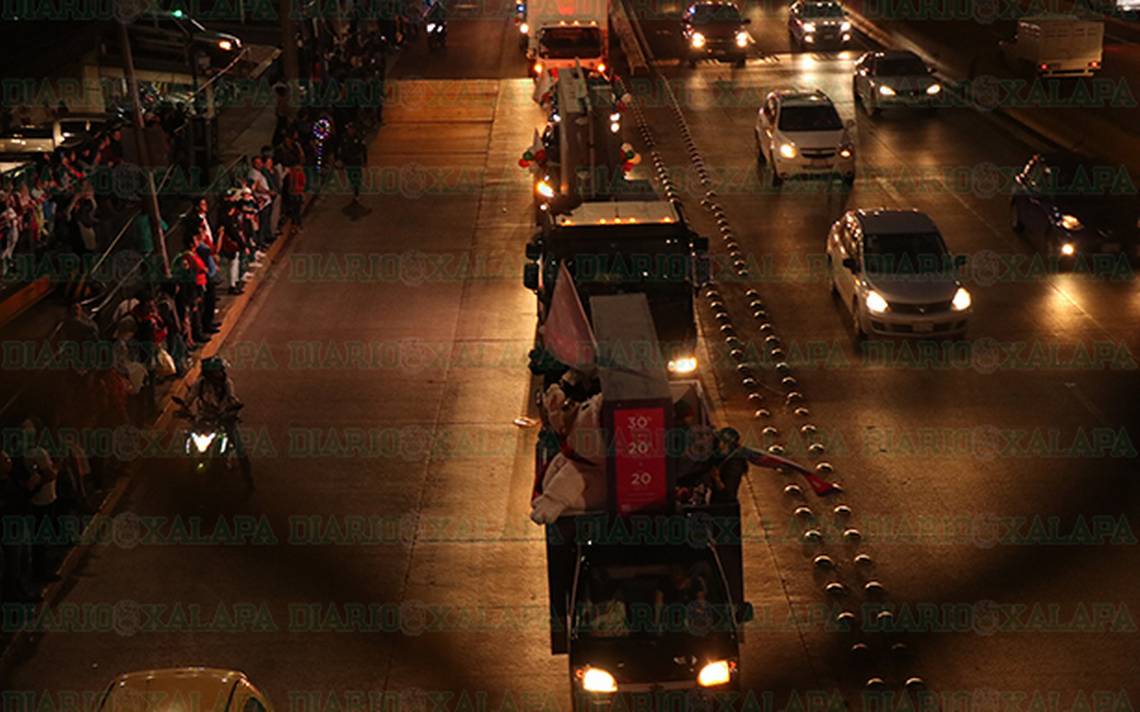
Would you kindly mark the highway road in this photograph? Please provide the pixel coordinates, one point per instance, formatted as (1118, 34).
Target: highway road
(386, 552)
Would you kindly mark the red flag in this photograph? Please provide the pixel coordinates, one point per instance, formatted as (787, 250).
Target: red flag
(566, 334)
(818, 484)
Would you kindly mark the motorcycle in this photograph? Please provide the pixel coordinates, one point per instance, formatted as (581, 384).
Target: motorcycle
(436, 34)
(207, 442)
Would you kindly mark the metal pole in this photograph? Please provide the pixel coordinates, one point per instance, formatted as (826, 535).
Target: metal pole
(289, 43)
(151, 200)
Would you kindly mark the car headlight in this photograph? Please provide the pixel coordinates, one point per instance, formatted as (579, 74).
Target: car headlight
(886, 90)
(715, 673)
(597, 680)
(875, 302)
(682, 364)
(844, 26)
(1068, 249)
(431, 27)
(524, 29)
(544, 189)
(962, 300)
(809, 27)
(742, 39)
(933, 89)
(225, 45)
(202, 440)
(615, 126)
(846, 151)
(697, 40)
(788, 150)
(1071, 223)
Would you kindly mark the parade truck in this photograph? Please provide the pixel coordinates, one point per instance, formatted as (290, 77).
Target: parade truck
(565, 33)
(615, 235)
(645, 579)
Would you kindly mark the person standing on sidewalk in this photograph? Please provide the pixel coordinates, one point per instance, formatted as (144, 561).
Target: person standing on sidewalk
(37, 474)
(230, 247)
(354, 155)
(262, 197)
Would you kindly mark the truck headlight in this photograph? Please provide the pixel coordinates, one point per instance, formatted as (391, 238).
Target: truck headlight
(596, 680)
(715, 673)
(1071, 223)
(846, 151)
(682, 364)
(742, 39)
(809, 27)
(875, 302)
(697, 40)
(933, 89)
(962, 300)
(844, 26)
(886, 90)
(788, 150)
(202, 440)
(524, 29)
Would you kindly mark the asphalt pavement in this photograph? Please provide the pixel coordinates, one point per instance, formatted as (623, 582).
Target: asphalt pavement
(386, 553)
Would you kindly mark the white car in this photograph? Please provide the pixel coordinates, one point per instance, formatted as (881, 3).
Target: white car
(818, 23)
(799, 132)
(187, 689)
(896, 78)
(69, 130)
(892, 270)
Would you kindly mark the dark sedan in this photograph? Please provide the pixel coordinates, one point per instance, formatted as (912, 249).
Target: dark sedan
(715, 29)
(1069, 207)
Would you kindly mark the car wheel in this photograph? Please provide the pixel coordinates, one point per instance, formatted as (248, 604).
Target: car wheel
(1015, 218)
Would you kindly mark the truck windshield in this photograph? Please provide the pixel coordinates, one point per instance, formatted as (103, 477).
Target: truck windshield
(822, 9)
(570, 42)
(626, 596)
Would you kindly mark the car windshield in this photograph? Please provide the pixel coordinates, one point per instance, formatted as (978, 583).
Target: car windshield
(822, 9)
(705, 14)
(821, 117)
(900, 67)
(651, 599)
(569, 42)
(905, 253)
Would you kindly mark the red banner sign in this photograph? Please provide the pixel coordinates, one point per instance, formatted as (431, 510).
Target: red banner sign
(639, 459)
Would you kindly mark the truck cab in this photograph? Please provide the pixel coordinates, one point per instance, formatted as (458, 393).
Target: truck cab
(561, 36)
(627, 246)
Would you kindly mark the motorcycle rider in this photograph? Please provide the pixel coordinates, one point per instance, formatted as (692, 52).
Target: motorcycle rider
(213, 396)
(437, 15)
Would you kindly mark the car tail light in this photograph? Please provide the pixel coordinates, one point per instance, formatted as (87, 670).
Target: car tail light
(1094, 64)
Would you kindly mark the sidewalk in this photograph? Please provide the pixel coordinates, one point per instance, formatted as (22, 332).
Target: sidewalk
(1096, 116)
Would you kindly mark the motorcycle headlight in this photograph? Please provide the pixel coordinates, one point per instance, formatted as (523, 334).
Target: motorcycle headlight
(202, 440)
(875, 302)
(697, 40)
(715, 673)
(682, 364)
(809, 27)
(844, 26)
(595, 679)
(524, 29)
(788, 150)
(886, 90)
(933, 89)
(742, 39)
(962, 300)
(1071, 223)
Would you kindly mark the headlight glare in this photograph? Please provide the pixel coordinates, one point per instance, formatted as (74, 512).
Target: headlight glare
(741, 39)
(788, 150)
(544, 189)
(875, 302)
(682, 364)
(886, 90)
(697, 40)
(1071, 223)
(202, 440)
(809, 27)
(845, 26)
(962, 300)
(933, 89)
(715, 673)
(597, 680)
